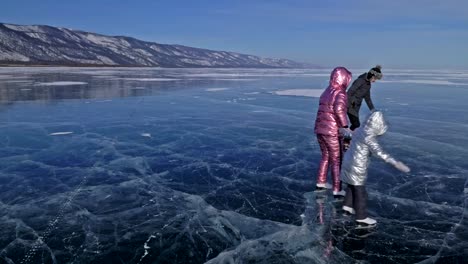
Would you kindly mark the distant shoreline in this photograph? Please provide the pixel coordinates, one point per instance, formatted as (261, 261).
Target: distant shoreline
(72, 65)
(18, 65)
(10, 65)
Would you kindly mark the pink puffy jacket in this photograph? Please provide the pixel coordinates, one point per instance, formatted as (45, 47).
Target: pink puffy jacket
(331, 114)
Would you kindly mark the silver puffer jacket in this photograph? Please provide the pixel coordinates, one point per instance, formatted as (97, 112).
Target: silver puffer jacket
(364, 143)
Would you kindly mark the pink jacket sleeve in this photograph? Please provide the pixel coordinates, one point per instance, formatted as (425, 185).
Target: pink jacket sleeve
(340, 108)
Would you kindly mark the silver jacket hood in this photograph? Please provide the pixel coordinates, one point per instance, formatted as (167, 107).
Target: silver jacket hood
(364, 143)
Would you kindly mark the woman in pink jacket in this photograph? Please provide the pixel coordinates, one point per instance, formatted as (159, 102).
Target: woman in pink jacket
(331, 124)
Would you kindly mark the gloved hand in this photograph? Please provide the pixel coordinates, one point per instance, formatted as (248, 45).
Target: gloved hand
(345, 132)
(401, 167)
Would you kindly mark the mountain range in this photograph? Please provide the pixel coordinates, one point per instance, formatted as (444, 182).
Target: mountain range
(47, 45)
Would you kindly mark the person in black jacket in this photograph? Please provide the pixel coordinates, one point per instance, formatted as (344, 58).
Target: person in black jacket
(360, 89)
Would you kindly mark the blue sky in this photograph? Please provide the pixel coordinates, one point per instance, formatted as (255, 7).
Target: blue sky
(357, 33)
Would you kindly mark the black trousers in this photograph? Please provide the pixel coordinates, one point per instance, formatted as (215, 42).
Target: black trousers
(354, 121)
(356, 198)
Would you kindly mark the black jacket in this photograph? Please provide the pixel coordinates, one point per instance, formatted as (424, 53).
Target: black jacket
(360, 89)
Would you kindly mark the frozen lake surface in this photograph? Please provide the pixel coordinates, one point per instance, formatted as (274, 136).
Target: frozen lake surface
(121, 165)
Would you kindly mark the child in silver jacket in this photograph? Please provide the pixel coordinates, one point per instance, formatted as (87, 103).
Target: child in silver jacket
(356, 162)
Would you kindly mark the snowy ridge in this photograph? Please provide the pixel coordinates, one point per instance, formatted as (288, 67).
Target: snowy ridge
(34, 44)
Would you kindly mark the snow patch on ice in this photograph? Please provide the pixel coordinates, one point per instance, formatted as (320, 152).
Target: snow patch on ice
(17, 81)
(216, 89)
(61, 133)
(61, 83)
(146, 135)
(149, 79)
(431, 82)
(300, 92)
(241, 80)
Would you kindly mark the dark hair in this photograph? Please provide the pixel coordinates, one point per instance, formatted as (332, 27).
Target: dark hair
(375, 72)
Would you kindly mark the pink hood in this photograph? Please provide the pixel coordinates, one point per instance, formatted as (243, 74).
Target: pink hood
(331, 113)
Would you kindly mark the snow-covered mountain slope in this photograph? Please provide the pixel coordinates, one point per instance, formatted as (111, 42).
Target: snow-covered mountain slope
(48, 45)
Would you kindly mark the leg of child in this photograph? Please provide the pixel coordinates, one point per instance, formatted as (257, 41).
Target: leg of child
(323, 167)
(348, 200)
(342, 149)
(360, 201)
(334, 150)
(354, 120)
